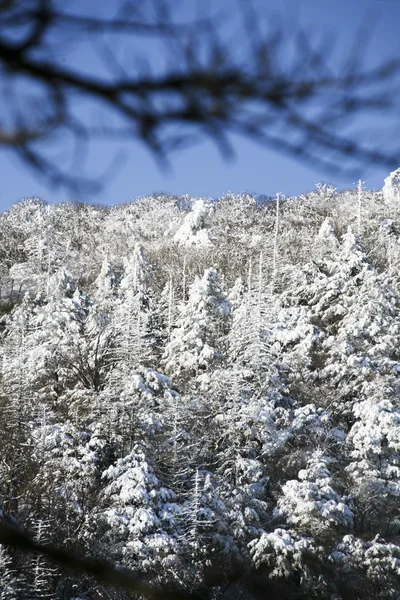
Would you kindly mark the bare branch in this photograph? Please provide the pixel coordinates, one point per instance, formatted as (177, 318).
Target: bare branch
(207, 91)
(101, 571)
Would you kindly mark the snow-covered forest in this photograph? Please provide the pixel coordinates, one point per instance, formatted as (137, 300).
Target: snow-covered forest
(204, 392)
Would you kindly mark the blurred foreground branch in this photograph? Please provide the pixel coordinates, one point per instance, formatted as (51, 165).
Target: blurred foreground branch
(69, 76)
(102, 571)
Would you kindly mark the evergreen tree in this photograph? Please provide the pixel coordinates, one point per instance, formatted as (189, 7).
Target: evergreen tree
(310, 504)
(374, 468)
(12, 583)
(138, 518)
(196, 340)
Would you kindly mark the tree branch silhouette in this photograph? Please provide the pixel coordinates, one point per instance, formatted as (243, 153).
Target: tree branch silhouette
(102, 571)
(280, 90)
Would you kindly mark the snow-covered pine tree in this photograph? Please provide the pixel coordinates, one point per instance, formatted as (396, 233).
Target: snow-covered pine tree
(125, 402)
(196, 340)
(311, 505)
(137, 521)
(40, 574)
(366, 568)
(12, 582)
(373, 446)
(206, 541)
(133, 314)
(249, 331)
(105, 286)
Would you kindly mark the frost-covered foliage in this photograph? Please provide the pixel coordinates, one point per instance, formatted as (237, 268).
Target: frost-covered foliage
(391, 189)
(368, 568)
(282, 551)
(194, 231)
(204, 392)
(310, 503)
(139, 518)
(196, 339)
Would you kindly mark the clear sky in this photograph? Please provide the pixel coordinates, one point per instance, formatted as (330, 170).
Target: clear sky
(201, 171)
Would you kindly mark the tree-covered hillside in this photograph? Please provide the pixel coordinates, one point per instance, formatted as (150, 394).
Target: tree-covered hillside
(204, 392)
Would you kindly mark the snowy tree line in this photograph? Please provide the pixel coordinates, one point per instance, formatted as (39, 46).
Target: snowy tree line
(204, 392)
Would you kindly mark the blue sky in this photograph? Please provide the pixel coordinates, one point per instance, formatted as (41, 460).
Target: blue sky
(201, 171)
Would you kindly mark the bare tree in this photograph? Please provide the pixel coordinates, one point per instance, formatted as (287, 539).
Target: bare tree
(274, 86)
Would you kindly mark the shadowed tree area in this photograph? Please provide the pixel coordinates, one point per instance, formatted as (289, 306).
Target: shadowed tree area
(166, 75)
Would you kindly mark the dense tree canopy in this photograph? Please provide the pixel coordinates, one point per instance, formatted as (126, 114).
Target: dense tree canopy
(213, 406)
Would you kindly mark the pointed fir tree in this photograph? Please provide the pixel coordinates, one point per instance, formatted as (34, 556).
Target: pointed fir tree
(137, 517)
(196, 340)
